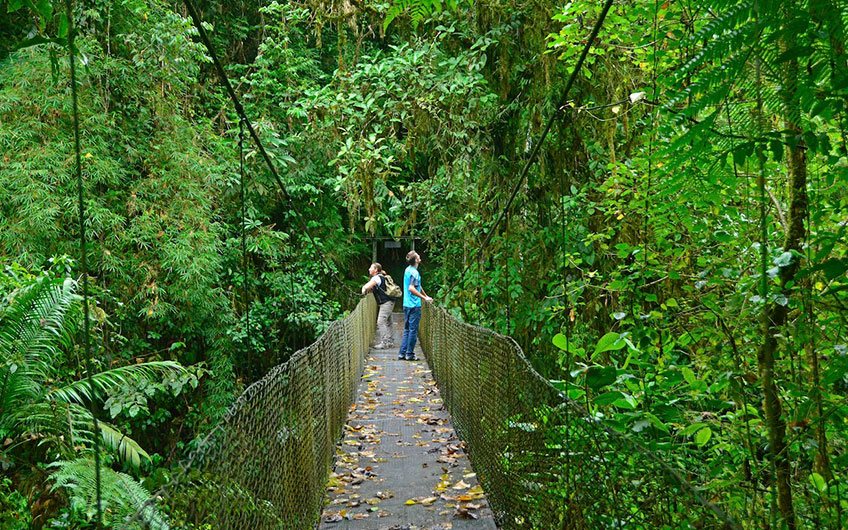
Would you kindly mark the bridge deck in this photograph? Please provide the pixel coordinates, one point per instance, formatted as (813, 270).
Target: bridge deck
(400, 465)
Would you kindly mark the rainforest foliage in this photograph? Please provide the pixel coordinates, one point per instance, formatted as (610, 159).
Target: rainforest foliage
(675, 260)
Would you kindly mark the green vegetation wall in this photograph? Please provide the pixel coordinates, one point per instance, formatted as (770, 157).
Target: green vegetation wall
(675, 259)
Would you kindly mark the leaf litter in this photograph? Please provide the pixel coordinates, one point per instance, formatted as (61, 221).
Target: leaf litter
(356, 489)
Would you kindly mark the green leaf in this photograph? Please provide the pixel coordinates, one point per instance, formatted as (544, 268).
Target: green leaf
(703, 436)
(688, 375)
(600, 376)
(818, 482)
(627, 402)
(561, 342)
(833, 268)
(656, 422)
(45, 9)
(63, 25)
(608, 398)
(692, 429)
(610, 341)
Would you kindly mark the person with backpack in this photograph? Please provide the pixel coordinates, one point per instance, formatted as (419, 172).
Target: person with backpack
(385, 292)
(413, 293)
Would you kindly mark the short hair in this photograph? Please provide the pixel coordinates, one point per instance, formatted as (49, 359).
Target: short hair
(377, 266)
(411, 256)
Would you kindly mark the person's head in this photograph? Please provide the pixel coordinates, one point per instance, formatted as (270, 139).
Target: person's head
(375, 268)
(412, 258)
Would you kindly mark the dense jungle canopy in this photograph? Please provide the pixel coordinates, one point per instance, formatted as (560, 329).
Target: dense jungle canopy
(675, 259)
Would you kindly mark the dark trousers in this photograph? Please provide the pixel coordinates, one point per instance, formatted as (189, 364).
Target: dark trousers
(411, 318)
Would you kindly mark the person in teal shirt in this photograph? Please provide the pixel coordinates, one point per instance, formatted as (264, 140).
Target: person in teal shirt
(413, 293)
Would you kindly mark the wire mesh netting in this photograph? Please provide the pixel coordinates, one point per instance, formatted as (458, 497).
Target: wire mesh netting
(266, 464)
(542, 459)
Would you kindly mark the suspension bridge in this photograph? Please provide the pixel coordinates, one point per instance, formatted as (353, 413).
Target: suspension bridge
(541, 459)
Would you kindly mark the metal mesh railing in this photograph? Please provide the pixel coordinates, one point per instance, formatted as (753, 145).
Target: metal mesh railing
(266, 464)
(542, 459)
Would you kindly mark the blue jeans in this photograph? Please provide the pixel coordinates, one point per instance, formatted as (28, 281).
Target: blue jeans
(411, 318)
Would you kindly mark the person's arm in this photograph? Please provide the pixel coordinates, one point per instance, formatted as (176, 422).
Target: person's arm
(368, 287)
(420, 294)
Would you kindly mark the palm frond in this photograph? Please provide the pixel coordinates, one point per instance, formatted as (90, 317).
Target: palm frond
(105, 382)
(67, 428)
(126, 448)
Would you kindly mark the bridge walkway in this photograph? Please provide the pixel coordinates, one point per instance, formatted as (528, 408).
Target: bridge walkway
(400, 465)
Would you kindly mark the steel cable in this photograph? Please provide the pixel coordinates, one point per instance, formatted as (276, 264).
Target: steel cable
(534, 152)
(222, 75)
(83, 243)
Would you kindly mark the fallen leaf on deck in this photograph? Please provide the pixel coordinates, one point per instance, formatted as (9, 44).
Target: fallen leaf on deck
(463, 513)
(461, 485)
(476, 490)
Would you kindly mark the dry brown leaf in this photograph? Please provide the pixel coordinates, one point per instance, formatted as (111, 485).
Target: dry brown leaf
(463, 513)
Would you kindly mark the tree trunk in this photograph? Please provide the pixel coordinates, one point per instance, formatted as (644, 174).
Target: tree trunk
(774, 319)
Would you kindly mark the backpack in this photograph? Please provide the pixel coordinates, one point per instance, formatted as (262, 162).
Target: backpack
(391, 288)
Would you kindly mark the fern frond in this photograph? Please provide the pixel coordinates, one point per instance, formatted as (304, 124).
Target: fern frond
(62, 426)
(36, 323)
(397, 7)
(418, 9)
(122, 495)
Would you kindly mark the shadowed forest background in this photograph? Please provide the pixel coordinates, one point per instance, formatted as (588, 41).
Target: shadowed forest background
(675, 260)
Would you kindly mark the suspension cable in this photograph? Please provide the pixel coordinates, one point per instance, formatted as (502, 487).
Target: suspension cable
(536, 147)
(204, 37)
(508, 250)
(653, 118)
(83, 243)
(244, 265)
(566, 310)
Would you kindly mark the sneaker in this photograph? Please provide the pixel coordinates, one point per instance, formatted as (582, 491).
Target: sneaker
(411, 358)
(401, 357)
